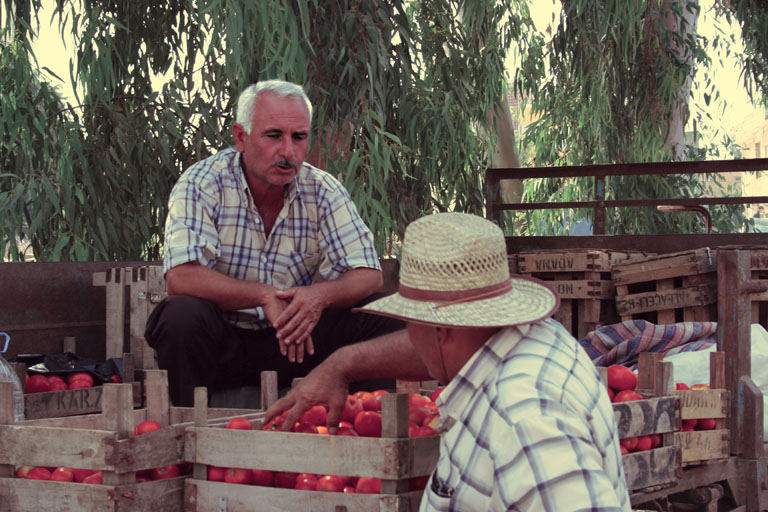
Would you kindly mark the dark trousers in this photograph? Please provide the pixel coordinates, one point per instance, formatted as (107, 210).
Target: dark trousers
(199, 348)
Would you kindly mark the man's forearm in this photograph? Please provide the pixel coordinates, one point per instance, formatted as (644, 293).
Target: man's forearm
(224, 291)
(391, 356)
(351, 287)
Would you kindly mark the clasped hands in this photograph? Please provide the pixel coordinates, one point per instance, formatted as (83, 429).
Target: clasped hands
(294, 313)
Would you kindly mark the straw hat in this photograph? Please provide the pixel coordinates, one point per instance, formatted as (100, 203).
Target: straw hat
(454, 272)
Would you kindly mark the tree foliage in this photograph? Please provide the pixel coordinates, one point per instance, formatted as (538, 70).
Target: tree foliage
(401, 91)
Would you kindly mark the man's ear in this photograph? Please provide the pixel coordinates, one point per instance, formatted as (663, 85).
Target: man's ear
(239, 134)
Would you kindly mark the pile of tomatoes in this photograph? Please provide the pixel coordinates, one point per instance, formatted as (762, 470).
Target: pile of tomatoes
(39, 383)
(361, 416)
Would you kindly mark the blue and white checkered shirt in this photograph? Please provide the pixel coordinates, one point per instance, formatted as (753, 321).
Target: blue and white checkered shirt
(213, 220)
(527, 425)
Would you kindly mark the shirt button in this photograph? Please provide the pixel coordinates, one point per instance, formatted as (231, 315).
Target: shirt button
(263, 259)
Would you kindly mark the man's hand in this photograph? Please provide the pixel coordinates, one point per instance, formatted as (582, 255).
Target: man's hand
(323, 385)
(297, 321)
(274, 307)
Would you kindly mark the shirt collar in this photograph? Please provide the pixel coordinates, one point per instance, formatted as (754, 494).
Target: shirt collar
(454, 399)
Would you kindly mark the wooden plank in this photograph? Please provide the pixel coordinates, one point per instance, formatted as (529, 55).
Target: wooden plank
(69, 402)
(563, 261)
(115, 312)
(751, 405)
(650, 467)
(647, 416)
(699, 261)
(753, 484)
(586, 288)
(42, 446)
(665, 299)
(690, 478)
(6, 418)
(663, 289)
(330, 455)
(703, 403)
(212, 496)
(702, 445)
(394, 413)
(118, 417)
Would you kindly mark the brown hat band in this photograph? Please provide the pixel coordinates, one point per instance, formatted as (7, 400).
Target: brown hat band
(451, 297)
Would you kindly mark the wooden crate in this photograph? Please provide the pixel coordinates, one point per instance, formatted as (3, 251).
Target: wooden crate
(106, 442)
(678, 287)
(394, 458)
(582, 280)
(650, 470)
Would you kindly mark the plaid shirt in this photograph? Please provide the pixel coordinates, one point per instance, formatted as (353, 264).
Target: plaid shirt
(213, 220)
(527, 425)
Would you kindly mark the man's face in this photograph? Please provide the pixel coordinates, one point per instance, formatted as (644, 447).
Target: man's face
(275, 149)
(425, 340)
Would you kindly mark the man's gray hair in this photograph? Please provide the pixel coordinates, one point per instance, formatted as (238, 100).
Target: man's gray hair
(248, 97)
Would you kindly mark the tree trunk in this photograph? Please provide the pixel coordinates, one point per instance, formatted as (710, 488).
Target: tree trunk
(504, 154)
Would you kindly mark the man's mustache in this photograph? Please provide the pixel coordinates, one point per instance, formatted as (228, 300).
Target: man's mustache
(286, 163)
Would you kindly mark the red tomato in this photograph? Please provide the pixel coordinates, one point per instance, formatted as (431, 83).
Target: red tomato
(630, 443)
(115, 378)
(705, 424)
(63, 475)
(237, 476)
(38, 384)
(216, 473)
(95, 478)
(39, 473)
(419, 413)
(22, 471)
(285, 479)
(80, 384)
(322, 429)
(306, 482)
(611, 394)
(330, 483)
(262, 477)
(368, 424)
(304, 428)
(82, 474)
(352, 406)
(316, 415)
(681, 385)
(424, 431)
(689, 425)
(436, 393)
(87, 377)
(700, 386)
(368, 485)
(627, 395)
(58, 385)
(346, 431)
(239, 423)
(621, 378)
(371, 402)
(146, 427)
(644, 443)
(163, 472)
(348, 489)
(417, 399)
(656, 440)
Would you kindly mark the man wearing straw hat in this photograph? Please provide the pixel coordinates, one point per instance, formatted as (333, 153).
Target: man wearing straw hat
(525, 422)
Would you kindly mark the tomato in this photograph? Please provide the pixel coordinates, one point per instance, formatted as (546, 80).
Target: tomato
(316, 415)
(368, 424)
(630, 443)
(87, 377)
(95, 478)
(322, 429)
(368, 485)
(216, 473)
(436, 393)
(80, 384)
(371, 402)
(330, 483)
(82, 474)
(644, 443)
(611, 394)
(627, 395)
(705, 424)
(689, 425)
(621, 378)
(237, 476)
(700, 386)
(58, 385)
(39, 473)
(262, 477)
(306, 482)
(346, 431)
(348, 489)
(38, 384)
(163, 472)
(146, 427)
(304, 428)
(424, 431)
(681, 385)
(285, 479)
(63, 475)
(115, 378)
(22, 471)
(418, 413)
(352, 406)
(656, 440)
(239, 423)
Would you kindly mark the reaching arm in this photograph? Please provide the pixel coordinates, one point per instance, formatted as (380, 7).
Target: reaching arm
(390, 356)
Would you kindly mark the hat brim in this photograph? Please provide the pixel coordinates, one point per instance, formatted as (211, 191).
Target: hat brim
(529, 301)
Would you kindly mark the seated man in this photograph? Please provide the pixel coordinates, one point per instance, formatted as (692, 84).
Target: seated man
(525, 422)
(264, 256)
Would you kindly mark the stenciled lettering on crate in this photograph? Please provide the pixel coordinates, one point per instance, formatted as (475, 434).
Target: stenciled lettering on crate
(673, 287)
